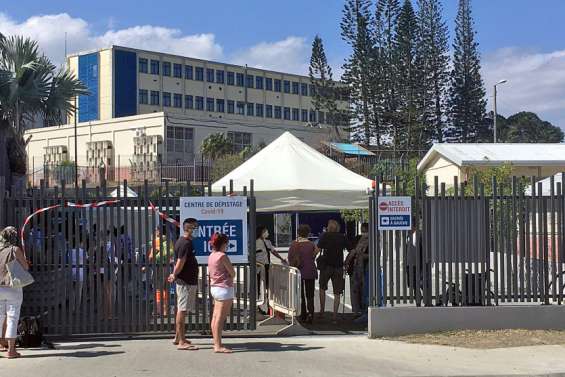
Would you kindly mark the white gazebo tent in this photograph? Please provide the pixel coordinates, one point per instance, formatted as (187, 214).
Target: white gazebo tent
(130, 192)
(290, 176)
(546, 186)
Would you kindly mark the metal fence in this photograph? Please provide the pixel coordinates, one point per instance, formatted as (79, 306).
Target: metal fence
(472, 244)
(104, 269)
(285, 286)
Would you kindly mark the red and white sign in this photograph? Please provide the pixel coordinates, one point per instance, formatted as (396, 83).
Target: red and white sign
(394, 213)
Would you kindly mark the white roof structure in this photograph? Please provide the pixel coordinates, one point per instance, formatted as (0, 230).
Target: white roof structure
(493, 154)
(130, 192)
(546, 186)
(289, 175)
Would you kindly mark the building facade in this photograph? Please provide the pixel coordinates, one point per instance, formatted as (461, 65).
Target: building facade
(182, 100)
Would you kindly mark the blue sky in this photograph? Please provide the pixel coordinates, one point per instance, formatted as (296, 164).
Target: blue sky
(521, 40)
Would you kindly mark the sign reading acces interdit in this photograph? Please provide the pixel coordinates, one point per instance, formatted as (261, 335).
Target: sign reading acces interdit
(227, 215)
(394, 213)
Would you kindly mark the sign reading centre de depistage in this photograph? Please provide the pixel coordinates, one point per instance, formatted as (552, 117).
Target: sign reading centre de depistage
(218, 214)
(394, 213)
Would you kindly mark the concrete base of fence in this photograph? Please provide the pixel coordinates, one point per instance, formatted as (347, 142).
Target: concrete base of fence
(418, 320)
(293, 328)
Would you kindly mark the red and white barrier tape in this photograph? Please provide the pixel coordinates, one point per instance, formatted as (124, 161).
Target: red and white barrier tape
(163, 215)
(67, 204)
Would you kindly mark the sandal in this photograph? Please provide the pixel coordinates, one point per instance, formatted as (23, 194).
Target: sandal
(223, 350)
(14, 356)
(187, 347)
(176, 342)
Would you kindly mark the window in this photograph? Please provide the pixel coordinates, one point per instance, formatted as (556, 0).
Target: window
(286, 86)
(199, 74)
(188, 102)
(239, 140)
(295, 86)
(180, 140)
(321, 117)
(143, 97)
(209, 104)
(304, 115)
(154, 67)
(199, 103)
(268, 83)
(177, 100)
(287, 113)
(239, 79)
(269, 111)
(258, 82)
(231, 107)
(259, 110)
(220, 105)
(312, 117)
(249, 82)
(219, 76)
(277, 112)
(142, 65)
(230, 78)
(166, 70)
(277, 85)
(295, 114)
(250, 109)
(209, 75)
(177, 70)
(188, 72)
(155, 97)
(312, 89)
(166, 99)
(304, 89)
(240, 108)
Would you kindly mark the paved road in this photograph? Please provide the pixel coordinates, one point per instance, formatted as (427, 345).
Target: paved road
(301, 356)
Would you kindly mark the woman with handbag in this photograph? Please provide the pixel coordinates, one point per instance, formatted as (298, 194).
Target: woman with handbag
(301, 255)
(13, 270)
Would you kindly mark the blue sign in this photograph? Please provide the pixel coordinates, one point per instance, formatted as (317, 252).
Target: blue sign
(206, 229)
(394, 221)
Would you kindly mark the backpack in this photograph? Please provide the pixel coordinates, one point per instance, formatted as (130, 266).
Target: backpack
(30, 333)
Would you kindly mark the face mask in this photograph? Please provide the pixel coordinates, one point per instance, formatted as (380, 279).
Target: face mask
(266, 234)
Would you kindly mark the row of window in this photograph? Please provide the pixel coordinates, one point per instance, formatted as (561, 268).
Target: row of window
(229, 106)
(220, 77)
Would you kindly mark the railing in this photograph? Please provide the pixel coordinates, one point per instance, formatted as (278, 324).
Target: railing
(285, 285)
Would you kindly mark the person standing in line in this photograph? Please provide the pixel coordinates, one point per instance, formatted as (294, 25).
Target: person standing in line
(302, 254)
(356, 264)
(222, 274)
(185, 275)
(78, 260)
(10, 298)
(263, 250)
(332, 243)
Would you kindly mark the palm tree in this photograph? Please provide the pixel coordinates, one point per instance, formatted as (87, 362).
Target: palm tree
(30, 87)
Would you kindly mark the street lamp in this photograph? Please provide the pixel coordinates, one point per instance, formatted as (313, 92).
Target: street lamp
(494, 104)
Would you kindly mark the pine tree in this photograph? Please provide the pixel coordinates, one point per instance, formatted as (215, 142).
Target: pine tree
(386, 18)
(407, 77)
(467, 104)
(324, 95)
(433, 59)
(356, 31)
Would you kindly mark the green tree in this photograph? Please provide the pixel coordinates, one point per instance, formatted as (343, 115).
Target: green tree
(325, 90)
(216, 145)
(356, 30)
(433, 59)
(30, 87)
(467, 104)
(527, 127)
(408, 78)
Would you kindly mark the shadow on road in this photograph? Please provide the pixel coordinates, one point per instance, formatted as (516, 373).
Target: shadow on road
(84, 346)
(78, 354)
(270, 347)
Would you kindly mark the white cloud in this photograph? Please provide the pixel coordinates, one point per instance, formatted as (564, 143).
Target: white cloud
(288, 55)
(536, 82)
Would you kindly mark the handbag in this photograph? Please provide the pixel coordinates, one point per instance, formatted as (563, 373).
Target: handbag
(321, 260)
(18, 276)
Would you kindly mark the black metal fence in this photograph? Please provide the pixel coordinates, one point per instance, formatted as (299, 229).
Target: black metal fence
(104, 269)
(472, 244)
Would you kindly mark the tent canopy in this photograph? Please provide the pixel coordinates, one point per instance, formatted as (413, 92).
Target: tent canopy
(130, 192)
(546, 186)
(289, 175)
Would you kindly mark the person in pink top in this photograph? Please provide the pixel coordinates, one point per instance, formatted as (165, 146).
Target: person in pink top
(221, 274)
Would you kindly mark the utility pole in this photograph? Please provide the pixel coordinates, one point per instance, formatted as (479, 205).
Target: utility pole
(494, 106)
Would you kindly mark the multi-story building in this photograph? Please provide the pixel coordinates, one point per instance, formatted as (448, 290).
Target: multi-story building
(182, 100)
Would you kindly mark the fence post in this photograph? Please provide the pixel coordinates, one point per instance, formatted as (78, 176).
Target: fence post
(252, 257)
(3, 205)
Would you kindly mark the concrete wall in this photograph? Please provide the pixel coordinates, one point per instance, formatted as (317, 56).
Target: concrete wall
(418, 320)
